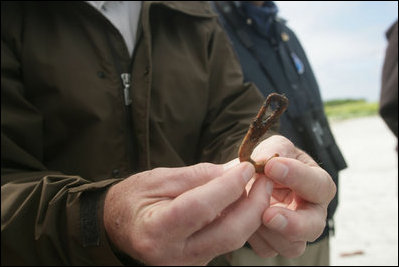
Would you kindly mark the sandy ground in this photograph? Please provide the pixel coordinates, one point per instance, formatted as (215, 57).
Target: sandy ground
(366, 221)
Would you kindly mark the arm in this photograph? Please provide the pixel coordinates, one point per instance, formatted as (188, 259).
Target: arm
(41, 208)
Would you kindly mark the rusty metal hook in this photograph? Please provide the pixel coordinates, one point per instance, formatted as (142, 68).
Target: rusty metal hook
(259, 127)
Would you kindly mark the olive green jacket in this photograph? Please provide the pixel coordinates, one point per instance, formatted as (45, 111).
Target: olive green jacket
(70, 129)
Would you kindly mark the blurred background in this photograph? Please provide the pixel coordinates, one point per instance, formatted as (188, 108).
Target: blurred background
(345, 43)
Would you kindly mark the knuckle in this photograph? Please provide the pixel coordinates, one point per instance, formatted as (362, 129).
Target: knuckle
(281, 139)
(307, 230)
(320, 224)
(328, 186)
(203, 169)
(296, 231)
(285, 142)
(298, 249)
(148, 178)
(333, 190)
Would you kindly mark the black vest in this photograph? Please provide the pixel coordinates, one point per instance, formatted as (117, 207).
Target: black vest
(279, 64)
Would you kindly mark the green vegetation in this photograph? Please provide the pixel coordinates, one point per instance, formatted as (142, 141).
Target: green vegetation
(340, 109)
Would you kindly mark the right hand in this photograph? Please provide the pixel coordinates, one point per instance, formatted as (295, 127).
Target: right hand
(187, 215)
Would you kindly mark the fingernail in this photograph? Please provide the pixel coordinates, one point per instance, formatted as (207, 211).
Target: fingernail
(279, 222)
(269, 187)
(278, 170)
(248, 172)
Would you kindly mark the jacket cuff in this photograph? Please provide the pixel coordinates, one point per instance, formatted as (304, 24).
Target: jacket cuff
(90, 244)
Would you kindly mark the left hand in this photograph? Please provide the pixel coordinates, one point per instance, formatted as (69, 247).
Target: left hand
(298, 206)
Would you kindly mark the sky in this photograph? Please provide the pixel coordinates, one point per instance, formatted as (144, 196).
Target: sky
(345, 43)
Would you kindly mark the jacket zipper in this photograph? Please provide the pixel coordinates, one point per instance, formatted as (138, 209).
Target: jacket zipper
(125, 75)
(126, 79)
(130, 143)
(126, 82)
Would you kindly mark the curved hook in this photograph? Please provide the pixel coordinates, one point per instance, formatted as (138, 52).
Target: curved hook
(260, 126)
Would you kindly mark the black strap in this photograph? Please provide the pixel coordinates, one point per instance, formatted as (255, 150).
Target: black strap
(89, 218)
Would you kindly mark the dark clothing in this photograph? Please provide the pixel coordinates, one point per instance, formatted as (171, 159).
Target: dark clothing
(70, 128)
(389, 83)
(276, 62)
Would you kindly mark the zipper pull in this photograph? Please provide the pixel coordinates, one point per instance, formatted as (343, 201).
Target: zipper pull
(126, 90)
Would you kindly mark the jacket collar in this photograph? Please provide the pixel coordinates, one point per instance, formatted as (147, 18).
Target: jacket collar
(97, 4)
(261, 16)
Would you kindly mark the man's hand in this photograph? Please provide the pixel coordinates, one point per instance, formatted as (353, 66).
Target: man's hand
(185, 216)
(298, 208)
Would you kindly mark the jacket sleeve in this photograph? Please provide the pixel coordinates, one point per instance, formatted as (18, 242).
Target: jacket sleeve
(232, 104)
(47, 218)
(388, 108)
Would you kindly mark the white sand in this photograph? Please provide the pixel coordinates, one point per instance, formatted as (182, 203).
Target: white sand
(367, 216)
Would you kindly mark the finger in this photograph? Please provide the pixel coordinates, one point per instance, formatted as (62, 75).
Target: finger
(310, 183)
(280, 145)
(231, 164)
(231, 231)
(280, 244)
(235, 162)
(305, 224)
(171, 182)
(261, 247)
(272, 145)
(199, 206)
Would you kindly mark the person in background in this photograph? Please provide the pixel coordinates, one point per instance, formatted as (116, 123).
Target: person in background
(388, 108)
(120, 126)
(272, 57)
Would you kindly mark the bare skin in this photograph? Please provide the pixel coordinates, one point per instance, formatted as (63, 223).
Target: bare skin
(186, 216)
(298, 207)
